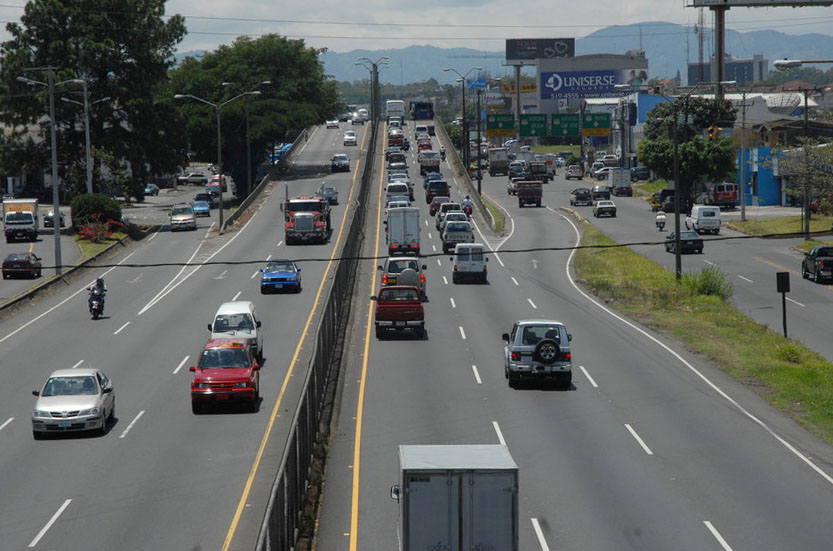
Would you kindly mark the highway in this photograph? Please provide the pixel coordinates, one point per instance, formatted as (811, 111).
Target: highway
(650, 448)
(44, 247)
(163, 478)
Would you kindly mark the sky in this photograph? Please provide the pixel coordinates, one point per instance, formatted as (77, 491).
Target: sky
(480, 24)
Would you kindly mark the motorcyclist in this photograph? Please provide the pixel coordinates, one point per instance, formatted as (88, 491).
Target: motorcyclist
(442, 153)
(97, 289)
(467, 205)
(660, 220)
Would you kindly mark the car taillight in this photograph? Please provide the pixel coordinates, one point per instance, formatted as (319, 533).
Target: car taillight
(290, 225)
(455, 267)
(516, 356)
(384, 279)
(484, 267)
(394, 246)
(567, 356)
(422, 278)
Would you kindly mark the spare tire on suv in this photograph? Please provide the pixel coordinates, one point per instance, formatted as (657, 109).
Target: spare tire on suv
(547, 351)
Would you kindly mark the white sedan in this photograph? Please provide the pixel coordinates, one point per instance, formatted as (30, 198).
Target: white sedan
(73, 400)
(350, 138)
(332, 123)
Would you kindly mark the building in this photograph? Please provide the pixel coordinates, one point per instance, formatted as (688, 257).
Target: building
(743, 71)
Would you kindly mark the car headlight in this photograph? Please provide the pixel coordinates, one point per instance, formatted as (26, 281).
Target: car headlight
(241, 385)
(91, 411)
(40, 413)
(201, 385)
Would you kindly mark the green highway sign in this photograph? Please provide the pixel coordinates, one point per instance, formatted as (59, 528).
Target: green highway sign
(564, 125)
(533, 125)
(596, 124)
(500, 125)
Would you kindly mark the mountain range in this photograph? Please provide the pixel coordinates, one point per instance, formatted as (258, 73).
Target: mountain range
(668, 46)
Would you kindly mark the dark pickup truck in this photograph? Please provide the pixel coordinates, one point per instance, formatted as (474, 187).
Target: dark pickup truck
(529, 193)
(818, 264)
(399, 308)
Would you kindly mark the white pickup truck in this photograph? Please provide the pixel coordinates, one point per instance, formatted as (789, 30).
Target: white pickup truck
(457, 232)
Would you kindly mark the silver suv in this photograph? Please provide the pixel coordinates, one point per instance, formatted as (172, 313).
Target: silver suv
(182, 217)
(404, 270)
(538, 350)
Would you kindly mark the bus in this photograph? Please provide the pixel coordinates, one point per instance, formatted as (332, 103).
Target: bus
(394, 108)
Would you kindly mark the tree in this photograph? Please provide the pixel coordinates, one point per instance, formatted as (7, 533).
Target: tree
(809, 172)
(699, 159)
(299, 95)
(123, 49)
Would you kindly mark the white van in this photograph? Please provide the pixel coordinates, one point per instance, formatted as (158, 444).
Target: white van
(421, 129)
(238, 320)
(396, 188)
(469, 261)
(703, 219)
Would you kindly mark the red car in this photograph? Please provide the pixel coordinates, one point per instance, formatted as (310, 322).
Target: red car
(436, 202)
(20, 264)
(226, 372)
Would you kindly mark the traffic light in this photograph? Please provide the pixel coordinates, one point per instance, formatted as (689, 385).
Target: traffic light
(712, 133)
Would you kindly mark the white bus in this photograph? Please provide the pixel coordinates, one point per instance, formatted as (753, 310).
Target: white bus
(395, 108)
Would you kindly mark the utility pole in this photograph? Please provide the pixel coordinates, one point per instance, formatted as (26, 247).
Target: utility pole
(743, 106)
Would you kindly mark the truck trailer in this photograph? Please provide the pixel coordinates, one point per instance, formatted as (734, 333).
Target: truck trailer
(457, 497)
(20, 219)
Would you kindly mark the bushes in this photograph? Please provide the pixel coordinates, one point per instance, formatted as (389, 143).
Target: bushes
(709, 281)
(89, 204)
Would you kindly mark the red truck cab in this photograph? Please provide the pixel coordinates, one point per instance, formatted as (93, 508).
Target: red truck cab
(226, 372)
(399, 308)
(529, 192)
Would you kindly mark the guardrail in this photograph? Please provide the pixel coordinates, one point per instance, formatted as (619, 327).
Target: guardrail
(279, 530)
(281, 165)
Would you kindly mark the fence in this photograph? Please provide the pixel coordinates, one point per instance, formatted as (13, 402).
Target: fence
(279, 529)
(281, 165)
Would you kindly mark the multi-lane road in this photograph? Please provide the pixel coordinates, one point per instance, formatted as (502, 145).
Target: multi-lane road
(651, 447)
(161, 477)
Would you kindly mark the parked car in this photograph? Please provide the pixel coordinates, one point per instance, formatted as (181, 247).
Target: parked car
(280, 274)
(49, 219)
(193, 178)
(640, 173)
(600, 192)
(151, 189)
(818, 264)
(537, 350)
(80, 399)
(604, 208)
(22, 264)
(201, 208)
(581, 196)
(340, 163)
(574, 171)
(690, 242)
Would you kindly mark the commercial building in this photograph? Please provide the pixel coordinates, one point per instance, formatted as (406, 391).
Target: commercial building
(743, 71)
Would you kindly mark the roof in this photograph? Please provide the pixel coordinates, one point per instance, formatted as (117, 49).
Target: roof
(456, 457)
(81, 371)
(235, 307)
(538, 321)
(226, 343)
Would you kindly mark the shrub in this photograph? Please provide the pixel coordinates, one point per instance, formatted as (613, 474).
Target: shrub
(99, 229)
(790, 352)
(572, 160)
(710, 281)
(88, 204)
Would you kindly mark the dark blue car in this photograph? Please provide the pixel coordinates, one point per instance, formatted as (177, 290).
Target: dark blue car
(279, 275)
(431, 176)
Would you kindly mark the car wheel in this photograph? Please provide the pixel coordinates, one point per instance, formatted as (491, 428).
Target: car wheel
(804, 274)
(112, 415)
(196, 407)
(513, 380)
(547, 351)
(380, 333)
(37, 435)
(420, 332)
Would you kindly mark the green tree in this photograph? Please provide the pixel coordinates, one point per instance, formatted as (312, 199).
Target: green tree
(123, 49)
(299, 95)
(700, 159)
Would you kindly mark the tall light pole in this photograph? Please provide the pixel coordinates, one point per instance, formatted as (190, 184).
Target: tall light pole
(479, 152)
(465, 142)
(743, 106)
(217, 107)
(248, 143)
(50, 84)
(86, 105)
(678, 259)
(375, 103)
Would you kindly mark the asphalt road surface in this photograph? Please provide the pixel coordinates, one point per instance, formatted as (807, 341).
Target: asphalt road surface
(650, 448)
(161, 478)
(44, 247)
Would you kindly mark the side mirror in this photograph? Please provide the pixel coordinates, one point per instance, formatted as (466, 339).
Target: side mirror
(262, 271)
(192, 368)
(209, 327)
(299, 270)
(487, 259)
(505, 337)
(373, 297)
(424, 266)
(107, 390)
(451, 259)
(379, 268)
(36, 393)
(281, 207)
(256, 367)
(569, 336)
(394, 492)
(257, 324)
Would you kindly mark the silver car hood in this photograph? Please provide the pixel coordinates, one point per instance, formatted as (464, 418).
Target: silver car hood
(67, 403)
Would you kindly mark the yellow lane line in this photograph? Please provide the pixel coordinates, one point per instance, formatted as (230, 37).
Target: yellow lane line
(357, 445)
(259, 456)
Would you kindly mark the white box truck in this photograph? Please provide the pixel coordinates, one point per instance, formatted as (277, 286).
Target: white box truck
(498, 161)
(395, 108)
(620, 182)
(402, 230)
(20, 219)
(457, 498)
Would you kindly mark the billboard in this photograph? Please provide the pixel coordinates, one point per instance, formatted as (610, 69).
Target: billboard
(528, 49)
(756, 3)
(526, 88)
(589, 84)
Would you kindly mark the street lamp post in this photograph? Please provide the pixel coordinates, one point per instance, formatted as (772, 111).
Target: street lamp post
(479, 152)
(248, 142)
(465, 141)
(86, 105)
(375, 103)
(50, 84)
(217, 107)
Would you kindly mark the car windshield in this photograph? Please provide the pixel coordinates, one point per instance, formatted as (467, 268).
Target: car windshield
(338, 158)
(398, 294)
(825, 251)
(201, 204)
(605, 203)
(456, 217)
(70, 386)
(180, 210)
(689, 235)
(708, 214)
(457, 226)
(224, 358)
(280, 266)
(18, 217)
(396, 266)
(533, 334)
(305, 206)
(398, 189)
(17, 256)
(233, 322)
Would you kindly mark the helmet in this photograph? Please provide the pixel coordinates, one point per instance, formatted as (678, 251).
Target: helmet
(99, 281)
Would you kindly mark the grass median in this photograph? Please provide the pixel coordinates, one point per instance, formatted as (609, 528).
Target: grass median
(791, 377)
(90, 249)
(497, 214)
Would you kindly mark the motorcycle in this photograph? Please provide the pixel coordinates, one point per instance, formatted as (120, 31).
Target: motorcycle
(96, 302)
(467, 209)
(442, 154)
(660, 223)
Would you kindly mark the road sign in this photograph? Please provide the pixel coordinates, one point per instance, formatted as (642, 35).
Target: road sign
(533, 125)
(500, 125)
(596, 124)
(565, 125)
(477, 84)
